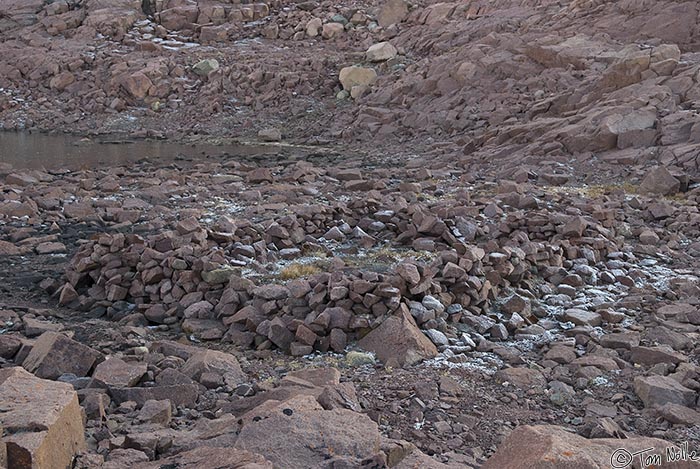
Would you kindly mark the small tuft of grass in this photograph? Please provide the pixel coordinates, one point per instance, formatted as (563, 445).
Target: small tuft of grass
(297, 270)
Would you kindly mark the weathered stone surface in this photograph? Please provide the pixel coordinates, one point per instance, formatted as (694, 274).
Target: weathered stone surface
(178, 394)
(357, 76)
(661, 390)
(54, 354)
(117, 372)
(398, 341)
(159, 412)
(213, 361)
(211, 457)
(392, 12)
(380, 52)
(42, 420)
(552, 447)
(524, 378)
(660, 181)
(288, 434)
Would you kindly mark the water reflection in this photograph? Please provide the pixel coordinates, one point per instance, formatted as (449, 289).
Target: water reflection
(41, 151)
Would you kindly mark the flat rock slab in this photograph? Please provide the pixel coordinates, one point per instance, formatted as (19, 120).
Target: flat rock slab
(552, 447)
(661, 390)
(54, 354)
(212, 361)
(211, 457)
(42, 420)
(117, 372)
(299, 433)
(178, 394)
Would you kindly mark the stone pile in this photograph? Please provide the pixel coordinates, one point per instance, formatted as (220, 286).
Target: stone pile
(192, 276)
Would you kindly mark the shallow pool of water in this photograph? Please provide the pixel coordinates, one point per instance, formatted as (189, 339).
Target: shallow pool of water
(27, 150)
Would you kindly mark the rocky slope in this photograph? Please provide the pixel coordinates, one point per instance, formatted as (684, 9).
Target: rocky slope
(512, 83)
(485, 254)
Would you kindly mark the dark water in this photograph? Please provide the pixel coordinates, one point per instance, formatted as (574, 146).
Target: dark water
(41, 151)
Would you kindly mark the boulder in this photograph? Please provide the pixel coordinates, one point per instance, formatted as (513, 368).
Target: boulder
(398, 341)
(553, 447)
(42, 419)
(210, 457)
(524, 378)
(137, 85)
(270, 134)
(54, 354)
(659, 390)
(660, 181)
(299, 433)
(392, 12)
(117, 372)
(356, 76)
(331, 30)
(380, 52)
(213, 361)
(178, 394)
(205, 67)
(158, 412)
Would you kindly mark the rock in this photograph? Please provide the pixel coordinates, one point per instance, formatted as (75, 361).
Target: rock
(178, 394)
(553, 447)
(433, 304)
(649, 237)
(332, 30)
(660, 181)
(660, 390)
(575, 227)
(271, 292)
(355, 358)
(280, 335)
(117, 372)
(9, 346)
(205, 67)
(398, 341)
(518, 304)
(392, 12)
(158, 412)
(212, 361)
(50, 248)
(68, 295)
(625, 340)
(524, 378)
(270, 135)
(437, 337)
(679, 414)
(381, 52)
(351, 77)
(210, 457)
(654, 355)
(288, 435)
(582, 317)
(8, 249)
(409, 273)
(313, 27)
(218, 276)
(137, 85)
(54, 354)
(42, 420)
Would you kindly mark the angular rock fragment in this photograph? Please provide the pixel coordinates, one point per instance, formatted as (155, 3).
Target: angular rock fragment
(553, 447)
(42, 420)
(54, 354)
(398, 341)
